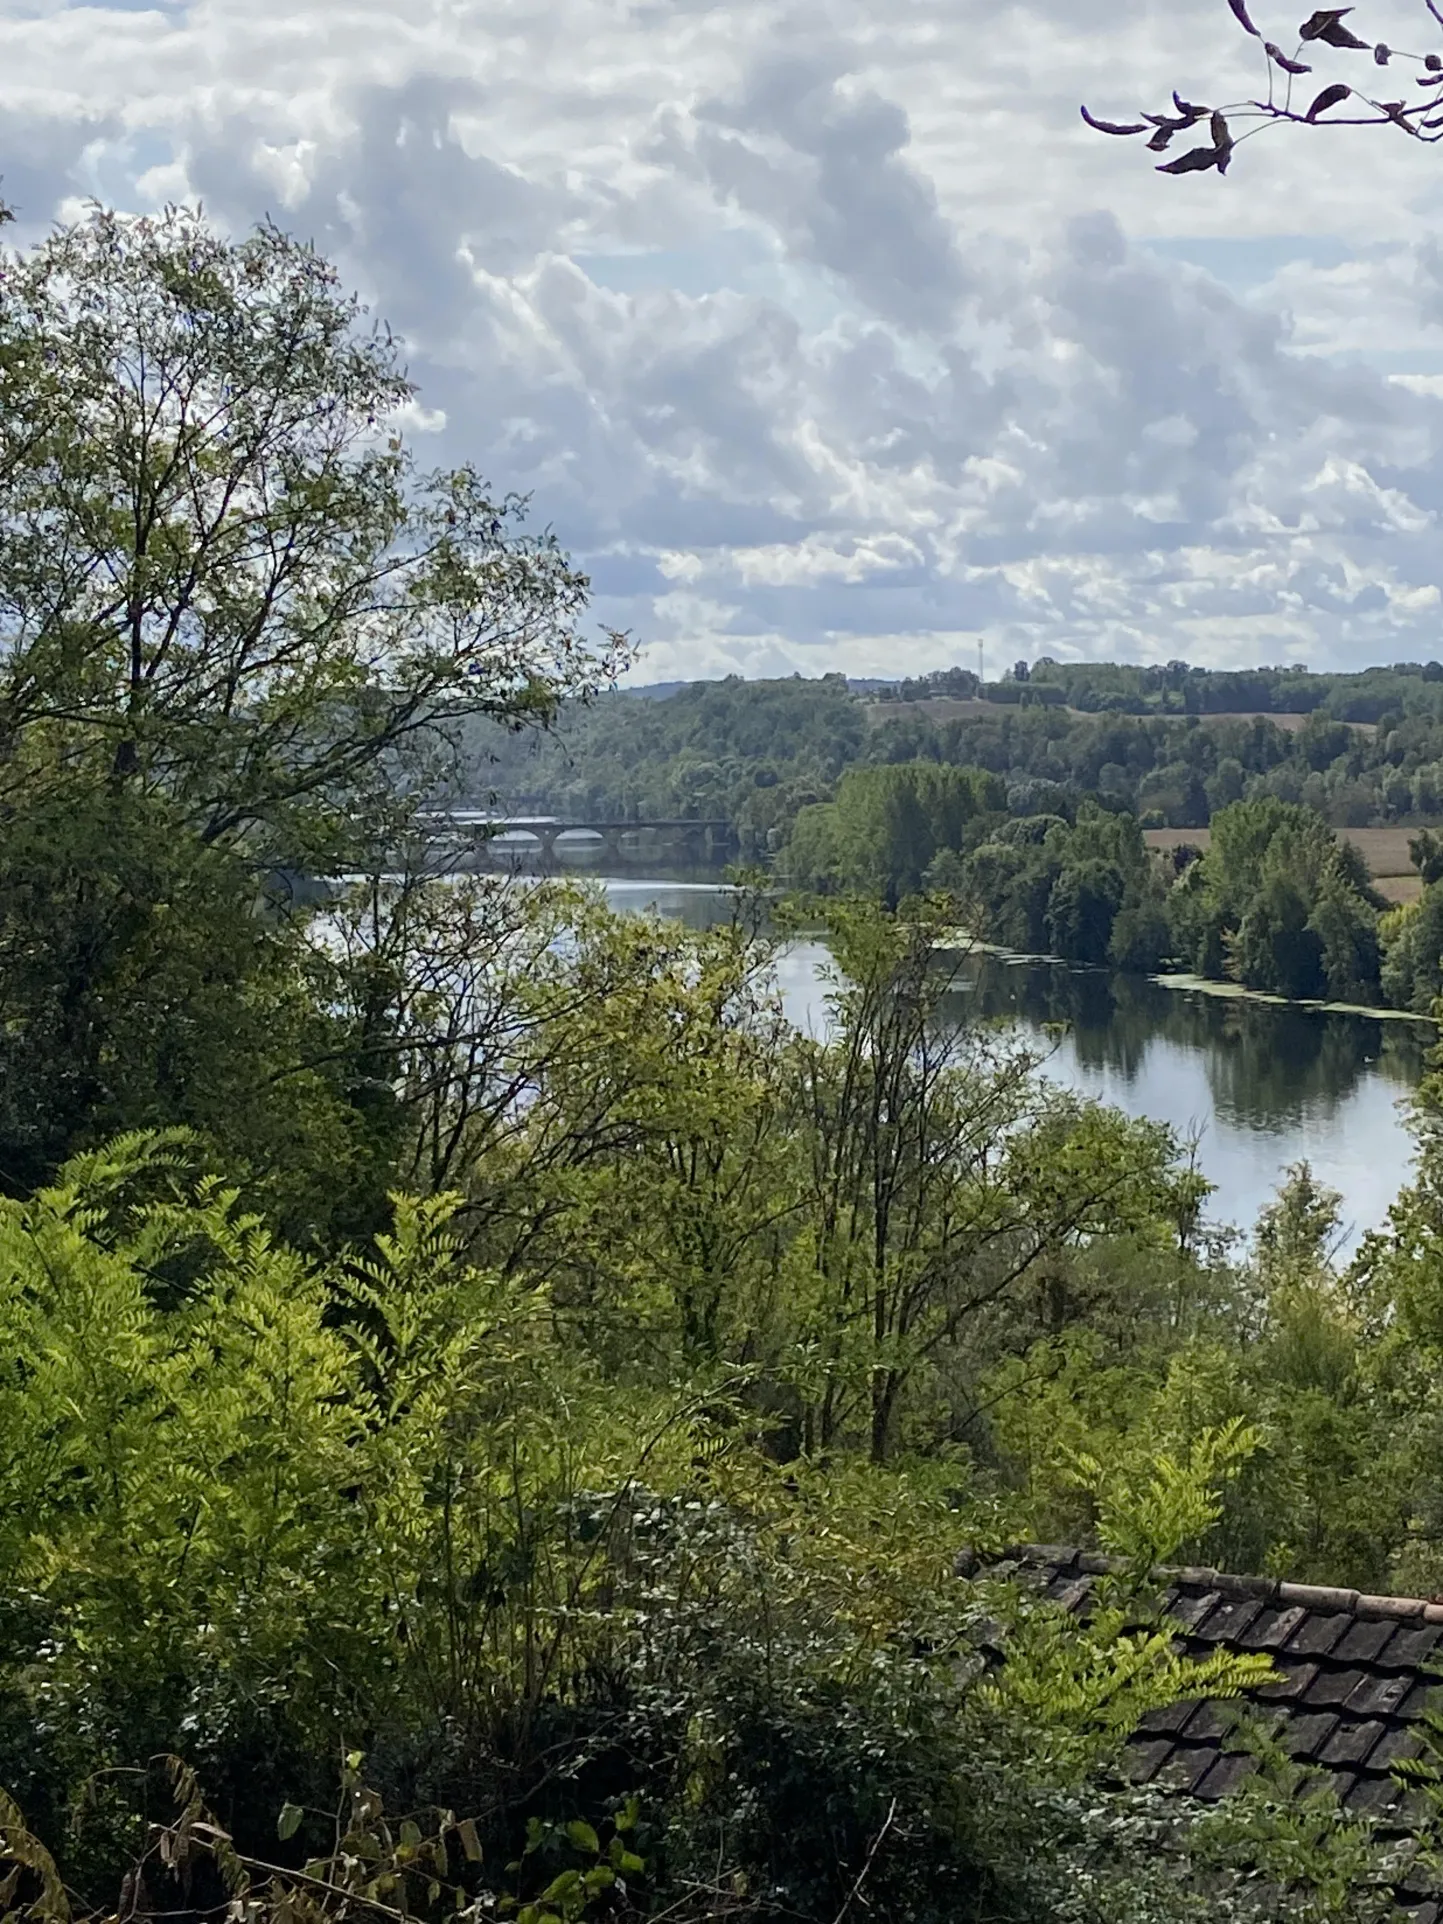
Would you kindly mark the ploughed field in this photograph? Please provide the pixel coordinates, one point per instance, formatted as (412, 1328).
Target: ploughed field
(945, 708)
(1385, 850)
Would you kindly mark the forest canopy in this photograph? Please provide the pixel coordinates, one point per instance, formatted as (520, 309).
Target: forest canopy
(491, 1413)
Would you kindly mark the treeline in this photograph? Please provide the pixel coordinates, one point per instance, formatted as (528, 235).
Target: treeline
(489, 1412)
(1365, 695)
(756, 753)
(1278, 901)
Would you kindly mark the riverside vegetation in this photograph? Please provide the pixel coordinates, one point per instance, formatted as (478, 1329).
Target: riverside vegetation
(488, 1412)
(1029, 814)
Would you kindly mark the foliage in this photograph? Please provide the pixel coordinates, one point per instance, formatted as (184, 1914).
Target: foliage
(1290, 95)
(571, 1401)
(239, 628)
(1170, 745)
(1085, 890)
(267, 1510)
(887, 826)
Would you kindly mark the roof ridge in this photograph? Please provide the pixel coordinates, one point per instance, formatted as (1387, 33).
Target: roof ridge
(1066, 1560)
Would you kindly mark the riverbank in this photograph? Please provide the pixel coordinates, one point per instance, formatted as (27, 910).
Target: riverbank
(1235, 992)
(1258, 1084)
(1182, 980)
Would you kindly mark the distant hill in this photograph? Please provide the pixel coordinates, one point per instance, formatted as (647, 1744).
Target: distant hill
(1169, 745)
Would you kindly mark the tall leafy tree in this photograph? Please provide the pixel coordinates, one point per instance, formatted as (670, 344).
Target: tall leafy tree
(239, 628)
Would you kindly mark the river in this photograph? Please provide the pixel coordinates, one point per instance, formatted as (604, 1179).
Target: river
(1259, 1087)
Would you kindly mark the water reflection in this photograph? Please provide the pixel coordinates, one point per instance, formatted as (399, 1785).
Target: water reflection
(1263, 1064)
(1259, 1087)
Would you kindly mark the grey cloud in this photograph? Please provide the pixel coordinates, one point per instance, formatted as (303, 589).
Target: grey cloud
(41, 163)
(400, 198)
(829, 169)
(1073, 442)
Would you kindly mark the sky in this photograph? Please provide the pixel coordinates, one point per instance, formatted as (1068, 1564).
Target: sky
(825, 335)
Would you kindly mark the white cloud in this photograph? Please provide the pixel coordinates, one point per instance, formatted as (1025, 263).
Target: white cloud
(829, 337)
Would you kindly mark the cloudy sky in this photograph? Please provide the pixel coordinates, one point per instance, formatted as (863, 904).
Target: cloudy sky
(823, 333)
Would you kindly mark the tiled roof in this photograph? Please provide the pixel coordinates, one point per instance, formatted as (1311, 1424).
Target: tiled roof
(1354, 1675)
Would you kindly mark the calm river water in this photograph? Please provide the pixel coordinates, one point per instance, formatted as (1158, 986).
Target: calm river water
(1259, 1087)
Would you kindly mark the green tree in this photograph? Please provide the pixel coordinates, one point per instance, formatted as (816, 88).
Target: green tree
(1412, 945)
(238, 630)
(887, 825)
(1082, 909)
(1278, 902)
(1275, 948)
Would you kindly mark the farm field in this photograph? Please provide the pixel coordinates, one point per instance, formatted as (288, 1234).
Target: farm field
(945, 708)
(1385, 850)
(937, 708)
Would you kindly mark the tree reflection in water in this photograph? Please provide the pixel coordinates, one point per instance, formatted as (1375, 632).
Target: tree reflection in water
(1260, 1086)
(1264, 1064)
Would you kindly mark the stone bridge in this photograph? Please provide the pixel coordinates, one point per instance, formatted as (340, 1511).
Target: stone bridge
(477, 835)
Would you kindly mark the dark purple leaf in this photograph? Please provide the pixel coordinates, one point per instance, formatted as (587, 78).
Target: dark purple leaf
(1196, 162)
(1327, 25)
(1240, 13)
(1159, 142)
(1381, 55)
(1221, 136)
(1433, 62)
(1317, 24)
(1114, 126)
(1329, 97)
(1279, 58)
(1430, 79)
(1189, 112)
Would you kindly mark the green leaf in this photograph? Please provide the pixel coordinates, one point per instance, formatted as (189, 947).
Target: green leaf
(626, 1817)
(289, 1821)
(562, 1887)
(582, 1835)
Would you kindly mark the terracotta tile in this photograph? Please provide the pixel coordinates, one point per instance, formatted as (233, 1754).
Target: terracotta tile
(1351, 1743)
(1316, 1636)
(1397, 1609)
(1364, 1642)
(1226, 1774)
(1303, 1737)
(1273, 1627)
(1331, 1686)
(1293, 1679)
(1381, 1696)
(1318, 1599)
